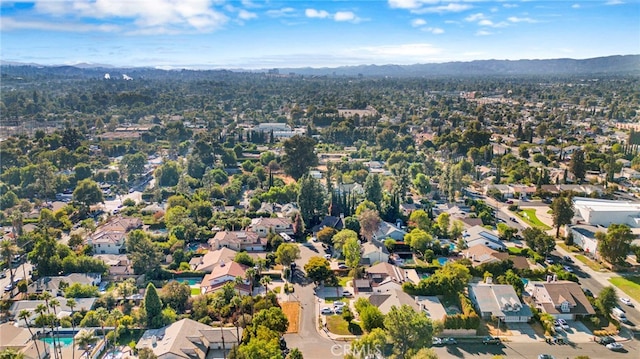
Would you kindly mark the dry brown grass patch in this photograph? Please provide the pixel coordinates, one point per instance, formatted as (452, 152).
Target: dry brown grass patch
(292, 311)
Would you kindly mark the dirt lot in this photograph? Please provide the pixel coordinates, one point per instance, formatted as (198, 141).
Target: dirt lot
(292, 311)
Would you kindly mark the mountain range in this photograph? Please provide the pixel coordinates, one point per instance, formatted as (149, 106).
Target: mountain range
(614, 65)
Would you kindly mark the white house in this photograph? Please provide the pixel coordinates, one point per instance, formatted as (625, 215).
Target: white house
(584, 236)
(261, 226)
(561, 299)
(500, 301)
(388, 230)
(224, 273)
(374, 253)
(480, 235)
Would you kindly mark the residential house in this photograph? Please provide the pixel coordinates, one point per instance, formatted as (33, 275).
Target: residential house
(500, 301)
(384, 277)
(349, 188)
(480, 235)
(189, 339)
(561, 299)
(224, 273)
(262, 226)
(374, 253)
(82, 305)
(394, 298)
(56, 285)
(336, 223)
(110, 237)
(584, 236)
(21, 341)
(408, 208)
(481, 254)
(388, 230)
(238, 241)
(119, 266)
(432, 307)
(211, 259)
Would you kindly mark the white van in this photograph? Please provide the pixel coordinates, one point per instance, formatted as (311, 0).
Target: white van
(619, 314)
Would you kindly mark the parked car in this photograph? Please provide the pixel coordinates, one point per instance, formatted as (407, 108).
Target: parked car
(563, 323)
(338, 310)
(568, 269)
(435, 341)
(606, 340)
(449, 341)
(326, 310)
(8, 287)
(588, 292)
(545, 356)
(327, 256)
(491, 340)
(615, 347)
(346, 293)
(567, 259)
(513, 219)
(339, 304)
(510, 202)
(343, 266)
(626, 301)
(3, 274)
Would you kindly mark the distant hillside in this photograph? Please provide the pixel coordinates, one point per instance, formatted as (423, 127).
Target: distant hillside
(629, 64)
(614, 65)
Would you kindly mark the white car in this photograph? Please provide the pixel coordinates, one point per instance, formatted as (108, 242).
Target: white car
(339, 304)
(563, 324)
(615, 346)
(326, 310)
(346, 293)
(626, 301)
(327, 256)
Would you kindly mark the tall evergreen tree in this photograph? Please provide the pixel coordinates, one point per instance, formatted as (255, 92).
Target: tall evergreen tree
(153, 307)
(373, 189)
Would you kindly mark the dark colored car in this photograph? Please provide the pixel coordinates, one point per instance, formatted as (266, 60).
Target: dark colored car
(449, 341)
(606, 340)
(588, 292)
(491, 340)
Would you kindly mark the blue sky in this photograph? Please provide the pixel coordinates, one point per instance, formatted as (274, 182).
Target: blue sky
(270, 33)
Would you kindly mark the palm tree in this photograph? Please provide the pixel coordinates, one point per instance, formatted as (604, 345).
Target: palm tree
(8, 250)
(250, 274)
(237, 282)
(237, 304)
(102, 315)
(10, 353)
(53, 303)
(46, 296)
(265, 281)
(24, 315)
(114, 318)
(71, 303)
(85, 340)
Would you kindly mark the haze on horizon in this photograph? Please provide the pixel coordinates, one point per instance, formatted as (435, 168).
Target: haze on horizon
(263, 34)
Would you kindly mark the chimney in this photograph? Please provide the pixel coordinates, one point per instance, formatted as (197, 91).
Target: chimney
(489, 280)
(549, 278)
(555, 277)
(342, 216)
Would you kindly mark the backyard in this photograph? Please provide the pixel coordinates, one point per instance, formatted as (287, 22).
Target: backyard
(630, 285)
(529, 215)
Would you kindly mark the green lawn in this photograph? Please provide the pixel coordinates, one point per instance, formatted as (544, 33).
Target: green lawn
(591, 264)
(337, 325)
(195, 291)
(630, 285)
(343, 281)
(529, 215)
(571, 249)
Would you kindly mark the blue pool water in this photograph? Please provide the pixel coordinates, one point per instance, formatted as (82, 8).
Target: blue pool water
(424, 275)
(65, 341)
(443, 260)
(452, 247)
(525, 281)
(190, 281)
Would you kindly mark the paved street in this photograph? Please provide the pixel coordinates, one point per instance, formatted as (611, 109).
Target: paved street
(312, 344)
(19, 272)
(532, 350)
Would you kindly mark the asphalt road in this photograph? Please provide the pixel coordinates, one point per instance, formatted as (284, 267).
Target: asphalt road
(532, 350)
(308, 340)
(19, 272)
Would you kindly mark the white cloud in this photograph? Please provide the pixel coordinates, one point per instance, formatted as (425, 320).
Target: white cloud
(163, 15)
(405, 4)
(435, 30)
(344, 16)
(522, 19)
(614, 2)
(246, 15)
(475, 17)
(8, 23)
(418, 22)
(483, 33)
(284, 12)
(316, 14)
(575, 6)
(409, 50)
(509, 6)
(451, 7)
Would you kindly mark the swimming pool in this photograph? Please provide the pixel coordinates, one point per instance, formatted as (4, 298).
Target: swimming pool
(191, 281)
(65, 341)
(443, 260)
